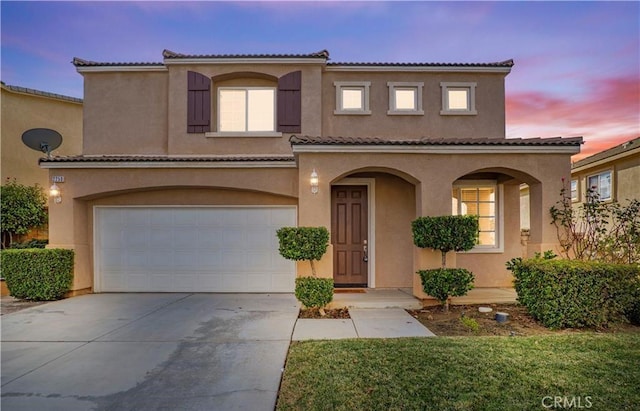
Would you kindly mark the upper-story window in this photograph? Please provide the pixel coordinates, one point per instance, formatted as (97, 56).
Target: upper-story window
(405, 98)
(246, 109)
(458, 98)
(601, 184)
(244, 104)
(352, 97)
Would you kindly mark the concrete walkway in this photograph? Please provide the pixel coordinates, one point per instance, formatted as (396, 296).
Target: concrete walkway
(364, 323)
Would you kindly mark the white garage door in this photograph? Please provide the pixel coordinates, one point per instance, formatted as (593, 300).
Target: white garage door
(191, 249)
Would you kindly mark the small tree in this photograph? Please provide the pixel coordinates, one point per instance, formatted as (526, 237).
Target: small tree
(446, 233)
(22, 208)
(597, 230)
(308, 243)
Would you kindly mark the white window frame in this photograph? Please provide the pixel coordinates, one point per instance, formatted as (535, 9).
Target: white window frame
(364, 86)
(471, 98)
(266, 133)
(402, 85)
(499, 213)
(577, 190)
(599, 176)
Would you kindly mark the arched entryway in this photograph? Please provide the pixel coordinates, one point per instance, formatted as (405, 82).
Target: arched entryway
(371, 214)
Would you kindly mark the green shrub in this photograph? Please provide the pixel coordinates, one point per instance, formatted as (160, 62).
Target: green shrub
(37, 274)
(446, 233)
(303, 243)
(575, 294)
(470, 324)
(314, 292)
(633, 311)
(443, 283)
(33, 243)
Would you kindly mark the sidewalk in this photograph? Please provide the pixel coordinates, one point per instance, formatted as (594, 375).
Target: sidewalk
(364, 323)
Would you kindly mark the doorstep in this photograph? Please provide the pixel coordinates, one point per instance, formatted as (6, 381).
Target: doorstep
(375, 298)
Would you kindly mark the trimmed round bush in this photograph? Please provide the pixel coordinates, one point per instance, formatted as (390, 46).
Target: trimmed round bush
(443, 283)
(37, 274)
(314, 292)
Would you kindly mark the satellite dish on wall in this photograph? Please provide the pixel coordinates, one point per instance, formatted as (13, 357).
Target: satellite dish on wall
(42, 139)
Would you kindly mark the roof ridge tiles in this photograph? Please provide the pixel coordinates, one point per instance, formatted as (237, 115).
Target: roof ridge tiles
(168, 54)
(504, 63)
(497, 141)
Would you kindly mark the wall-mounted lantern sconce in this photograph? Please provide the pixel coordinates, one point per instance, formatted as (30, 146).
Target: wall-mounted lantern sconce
(314, 182)
(54, 190)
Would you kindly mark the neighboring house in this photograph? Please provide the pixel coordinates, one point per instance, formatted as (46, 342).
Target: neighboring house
(189, 166)
(24, 109)
(614, 174)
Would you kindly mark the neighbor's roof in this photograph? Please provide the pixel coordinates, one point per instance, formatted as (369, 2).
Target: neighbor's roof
(373, 141)
(24, 90)
(611, 152)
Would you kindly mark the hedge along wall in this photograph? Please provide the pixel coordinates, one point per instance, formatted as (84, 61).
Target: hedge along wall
(564, 293)
(37, 274)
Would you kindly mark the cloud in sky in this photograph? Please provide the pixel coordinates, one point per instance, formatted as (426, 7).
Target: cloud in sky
(577, 63)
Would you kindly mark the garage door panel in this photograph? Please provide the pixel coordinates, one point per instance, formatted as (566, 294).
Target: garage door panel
(282, 218)
(178, 249)
(160, 238)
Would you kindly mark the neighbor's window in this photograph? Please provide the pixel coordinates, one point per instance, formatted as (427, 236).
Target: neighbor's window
(458, 98)
(601, 184)
(480, 201)
(352, 97)
(574, 190)
(246, 109)
(405, 98)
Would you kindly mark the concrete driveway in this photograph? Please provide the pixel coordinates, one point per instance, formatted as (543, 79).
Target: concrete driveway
(147, 352)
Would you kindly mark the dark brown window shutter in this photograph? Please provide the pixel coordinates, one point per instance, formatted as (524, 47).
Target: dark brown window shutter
(198, 103)
(290, 103)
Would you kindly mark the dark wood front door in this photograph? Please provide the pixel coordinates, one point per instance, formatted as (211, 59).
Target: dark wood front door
(349, 235)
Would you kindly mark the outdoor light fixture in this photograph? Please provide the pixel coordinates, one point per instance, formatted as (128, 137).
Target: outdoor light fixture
(314, 182)
(54, 190)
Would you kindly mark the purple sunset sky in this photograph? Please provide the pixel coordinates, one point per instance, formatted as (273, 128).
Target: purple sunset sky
(576, 73)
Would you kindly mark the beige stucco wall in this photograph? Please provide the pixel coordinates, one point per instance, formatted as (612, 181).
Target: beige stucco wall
(23, 111)
(125, 113)
(628, 178)
(433, 197)
(488, 123)
(128, 112)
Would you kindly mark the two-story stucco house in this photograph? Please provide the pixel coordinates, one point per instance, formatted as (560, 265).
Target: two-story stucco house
(189, 166)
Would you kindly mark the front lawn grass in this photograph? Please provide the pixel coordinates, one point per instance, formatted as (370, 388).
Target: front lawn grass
(463, 373)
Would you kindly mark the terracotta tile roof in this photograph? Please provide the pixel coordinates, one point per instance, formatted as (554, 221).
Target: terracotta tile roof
(168, 54)
(78, 62)
(373, 141)
(613, 151)
(506, 64)
(163, 158)
(31, 91)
